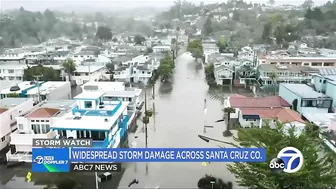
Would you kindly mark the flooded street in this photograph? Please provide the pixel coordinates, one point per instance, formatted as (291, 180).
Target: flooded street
(178, 120)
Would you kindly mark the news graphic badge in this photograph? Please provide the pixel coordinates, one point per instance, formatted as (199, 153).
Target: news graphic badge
(289, 160)
(50, 160)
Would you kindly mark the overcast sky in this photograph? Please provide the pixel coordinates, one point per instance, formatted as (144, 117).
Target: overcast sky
(38, 5)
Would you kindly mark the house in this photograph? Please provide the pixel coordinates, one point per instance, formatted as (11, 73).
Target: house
(20, 89)
(285, 73)
(12, 71)
(116, 91)
(161, 48)
(223, 75)
(35, 124)
(13, 56)
(84, 74)
(50, 90)
(140, 48)
(9, 109)
(315, 61)
(239, 102)
(208, 49)
(320, 79)
(142, 73)
(251, 117)
(304, 99)
(61, 56)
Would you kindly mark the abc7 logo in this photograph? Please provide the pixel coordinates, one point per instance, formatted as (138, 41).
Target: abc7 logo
(293, 158)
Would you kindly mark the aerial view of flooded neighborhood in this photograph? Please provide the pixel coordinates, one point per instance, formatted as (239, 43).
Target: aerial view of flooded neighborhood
(186, 75)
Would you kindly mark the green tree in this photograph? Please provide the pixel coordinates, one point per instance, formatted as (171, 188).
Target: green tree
(48, 74)
(66, 183)
(210, 182)
(196, 49)
(104, 33)
(317, 172)
(267, 33)
(166, 68)
(138, 39)
(69, 67)
(222, 44)
(110, 69)
(207, 28)
(149, 50)
(308, 4)
(209, 74)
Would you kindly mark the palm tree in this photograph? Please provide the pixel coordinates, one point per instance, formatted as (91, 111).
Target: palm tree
(69, 67)
(227, 111)
(273, 76)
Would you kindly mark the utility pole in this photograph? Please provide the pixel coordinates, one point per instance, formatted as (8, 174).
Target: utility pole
(38, 87)
(146, 134)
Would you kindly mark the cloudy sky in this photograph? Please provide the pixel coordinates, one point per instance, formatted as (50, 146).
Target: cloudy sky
(38, 5)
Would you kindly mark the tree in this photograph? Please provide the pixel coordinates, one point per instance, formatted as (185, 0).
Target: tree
(104, 33)
(48, 74)
(69, 67)
(267, 33)
(66, 183)
(307, 4)
(110, 69)
(138, 39)
(227, 113)
(149, 50)
(115, 39)
(207, 28)
(273, 77)
(222, 44)
(317, 171)
(271, 2)
(196, 49)
(210, 182)
(166, 68)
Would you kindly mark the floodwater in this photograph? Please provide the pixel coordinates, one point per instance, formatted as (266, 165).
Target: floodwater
(178, 120)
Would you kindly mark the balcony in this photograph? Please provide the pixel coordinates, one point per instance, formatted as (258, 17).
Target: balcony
(97, 112)
(24, 138)
(103, 144)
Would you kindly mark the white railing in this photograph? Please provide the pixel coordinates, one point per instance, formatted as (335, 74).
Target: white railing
(328, 143)
(19, 157)
(18, 138)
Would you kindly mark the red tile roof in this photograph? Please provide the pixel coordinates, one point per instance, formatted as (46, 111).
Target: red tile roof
(284, 115)
(2, 110)
(258, 102)
(43, 113)
(236, 95)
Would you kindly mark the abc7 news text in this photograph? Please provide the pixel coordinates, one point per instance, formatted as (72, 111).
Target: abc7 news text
(95, 167)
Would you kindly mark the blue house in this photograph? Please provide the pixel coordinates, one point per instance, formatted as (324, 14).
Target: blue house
(105, 123)
(304, 99)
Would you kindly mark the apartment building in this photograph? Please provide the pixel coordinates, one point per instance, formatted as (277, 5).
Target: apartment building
(316, 61)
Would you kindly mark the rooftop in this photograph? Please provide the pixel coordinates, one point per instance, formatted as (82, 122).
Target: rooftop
(327, 71)
(303, 90)
(283, 115)
(320, 118)
(99, 123)
(23, 86)
(258, 102)
(13, 66)
(2, 110)
(285, 68)
(89, 95)
(47, 87)
(43, 113)
(12, 102)
(103, 86)
(6, 84)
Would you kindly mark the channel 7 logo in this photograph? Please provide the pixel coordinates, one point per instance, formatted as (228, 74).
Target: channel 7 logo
(289, 160)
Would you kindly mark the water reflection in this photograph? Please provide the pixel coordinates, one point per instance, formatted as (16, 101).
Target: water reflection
(166, 88)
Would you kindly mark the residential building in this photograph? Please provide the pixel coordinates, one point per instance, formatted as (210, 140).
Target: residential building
(285, 73)
(208, 49)
(12, 71)
(20, 89)
(316, 61)
(304, 99)
(50, 90)
(140, 48)
(13, 56)
(223, 74)
(162, 48)
(9, 109)
(257, 117)
(84, 74)
(320, 79)
(35, 124)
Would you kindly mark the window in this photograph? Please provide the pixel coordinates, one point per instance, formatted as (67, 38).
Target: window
(324, 81)
(21, 126)
(143, 72)
(37, 120)
(45, 128)
(130, 99)
(11, 117)
(88, 104)
(32, 120)
(10, 71)
(36, 128)
(3, 139)
(42, 120)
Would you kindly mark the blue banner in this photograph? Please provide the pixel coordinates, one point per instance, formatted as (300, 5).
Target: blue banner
(168, 155)
(50, 160)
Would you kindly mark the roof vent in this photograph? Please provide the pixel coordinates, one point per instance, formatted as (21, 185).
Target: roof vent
(77, 118)
(14, 88)
(106, 120)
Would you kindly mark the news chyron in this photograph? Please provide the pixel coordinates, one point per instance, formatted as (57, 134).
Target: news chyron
(57, 159)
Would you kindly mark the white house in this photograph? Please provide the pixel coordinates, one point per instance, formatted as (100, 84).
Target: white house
(51, 90)
(223, 75)
(36, 124)
(20, 89)
(13, 56)
(162, 48)
(10, 108)
(84, 74)
(12, 71)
